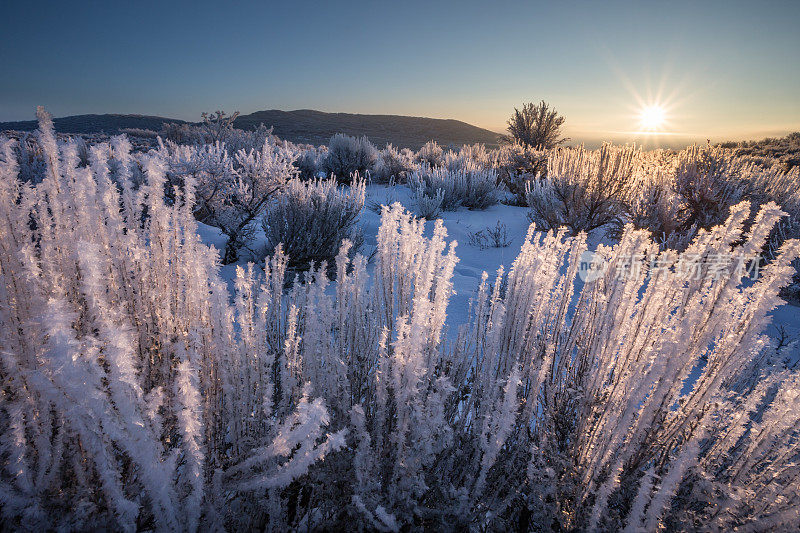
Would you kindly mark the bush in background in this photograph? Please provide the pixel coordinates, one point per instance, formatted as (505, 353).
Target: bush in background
(309, 162)
(650, 203)
(392, 165)
(430, 154)
(517, 166)
(536, 126)
(232, 193)
(348, 156)
(428, 206)
(583, 190)
(310, 219)
(466, 186)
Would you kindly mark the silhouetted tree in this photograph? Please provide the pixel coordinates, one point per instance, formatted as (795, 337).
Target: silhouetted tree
(536, 126)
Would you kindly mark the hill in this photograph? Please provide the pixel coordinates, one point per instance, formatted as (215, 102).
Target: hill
(317, 127)
(301, 126)
(83, 124)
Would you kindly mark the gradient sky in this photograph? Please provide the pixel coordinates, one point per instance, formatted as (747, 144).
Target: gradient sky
(722, 69)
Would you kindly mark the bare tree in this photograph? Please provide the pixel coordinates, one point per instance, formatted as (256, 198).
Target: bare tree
(536, 126)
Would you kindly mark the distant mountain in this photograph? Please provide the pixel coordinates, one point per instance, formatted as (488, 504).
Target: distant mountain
(301, 126)
(317, 127)
(110, 124)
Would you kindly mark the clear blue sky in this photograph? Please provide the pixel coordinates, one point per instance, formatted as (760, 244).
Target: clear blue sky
(721, 69)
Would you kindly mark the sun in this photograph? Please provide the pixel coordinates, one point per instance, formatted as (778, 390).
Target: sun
(652, 117)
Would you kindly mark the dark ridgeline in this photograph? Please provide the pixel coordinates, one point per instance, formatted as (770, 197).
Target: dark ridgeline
(301, 126)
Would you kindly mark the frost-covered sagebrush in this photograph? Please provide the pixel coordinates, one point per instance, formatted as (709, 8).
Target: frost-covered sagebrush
(430, 154)
(310, 219)
(517, 166)
(309, 161)
(583, 190)
(134, 395)
(464, 184)
(392, 164)
(349, 156)
(138, 393)
(232, 191)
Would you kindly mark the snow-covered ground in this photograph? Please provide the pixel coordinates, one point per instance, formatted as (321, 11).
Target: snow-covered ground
(473, 260)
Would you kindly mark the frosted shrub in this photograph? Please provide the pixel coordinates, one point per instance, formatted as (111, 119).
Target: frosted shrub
(650, 202)
(517, 166)
(427, 206)
(784, 152)
(238, 139)
(134, 395)
(139, 394)
(215, 128)
(536, 125)
(583, 190)
(467, 185)
(392, 164)
(259, 175)
(233, 193)
(32, 165)
(182, 133)
(707, 182)
(309, 161)
(621, 436)
(348, 156)
(455, 161)
(430, 154)
(674, 195)
(552, 407)
(310, 219)
(476, 153)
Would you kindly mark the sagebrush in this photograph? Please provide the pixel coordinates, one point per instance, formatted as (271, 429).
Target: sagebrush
(139, 393)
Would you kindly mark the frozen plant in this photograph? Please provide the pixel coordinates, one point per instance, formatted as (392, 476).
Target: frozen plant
(476, 153)
(233, 192)
(392, 164)
(310, 219)
(427, 206)
(208, 166)
(218, 125)
(465, 186)
(517, 166)
(134, 395)
(260, 174)
(32, 165)
(430, 154)
(707, 182)
(489, 237)
(348, 156)
(536, 126)
(583, 190)
(215, 128)
(309, 161)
